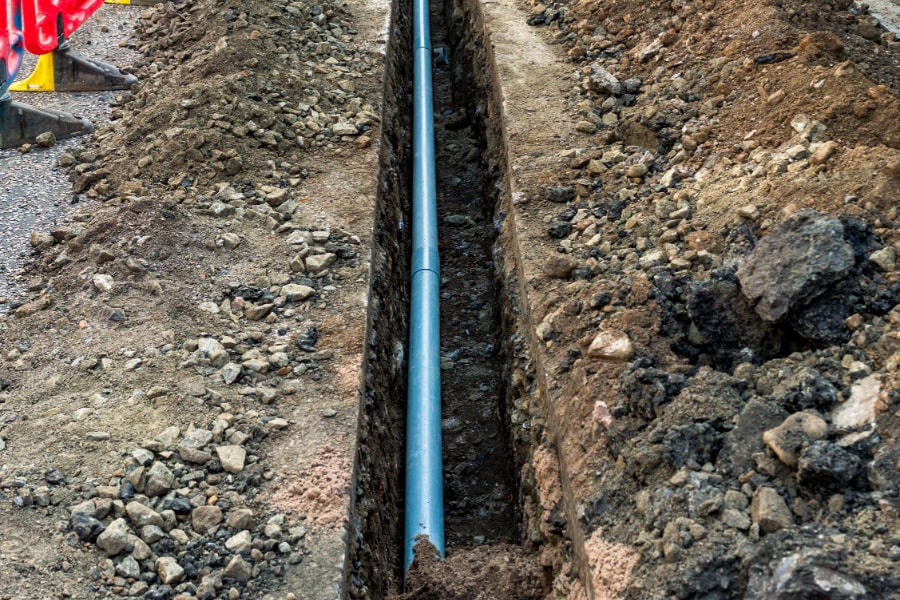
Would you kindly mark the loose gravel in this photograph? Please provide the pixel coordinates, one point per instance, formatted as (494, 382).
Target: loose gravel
(34, 193)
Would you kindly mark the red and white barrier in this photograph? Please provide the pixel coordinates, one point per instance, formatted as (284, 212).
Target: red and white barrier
(49, 22)
(10, 41)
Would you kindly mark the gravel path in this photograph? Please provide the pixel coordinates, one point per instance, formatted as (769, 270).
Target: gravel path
(33, 192)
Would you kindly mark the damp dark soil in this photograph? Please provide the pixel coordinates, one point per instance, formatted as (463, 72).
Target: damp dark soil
(478, 481)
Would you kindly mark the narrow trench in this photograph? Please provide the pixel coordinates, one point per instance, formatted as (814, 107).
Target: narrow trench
(481, 499)
(478, 469)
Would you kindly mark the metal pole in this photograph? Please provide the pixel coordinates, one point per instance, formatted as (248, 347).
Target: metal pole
(424, 485)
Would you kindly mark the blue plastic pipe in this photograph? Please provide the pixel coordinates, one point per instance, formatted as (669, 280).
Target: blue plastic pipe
(424, 485)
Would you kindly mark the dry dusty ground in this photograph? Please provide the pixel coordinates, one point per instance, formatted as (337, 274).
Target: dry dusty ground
(696, 228)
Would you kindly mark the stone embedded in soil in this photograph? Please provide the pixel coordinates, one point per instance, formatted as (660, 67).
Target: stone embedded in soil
(194, 456)
(603, 81)
(769, 510)
(273, 531)
(586, 127)
(85, 526)
(294, 292)
(232, 458)
(103, 282)
(735, 518)
(241, 518)
(212, 350)
(210, 307)
(204, 518)
(316, 263)
(230, 372)
(114, 538)
(42, 302)
(344, 128)
(678, 535)
(231, 240)
(560, 193)
(141, 515)
(639, 170)
(560, 266)
(128, 568)
(168, 436)
(193, 386)
(197, 438)
(859, 409)
(808, 573)
(787, 439)
(794, 264)
(143, 456)
(823, 153)
(886, 258)
(256, 312)
(238, 569)
(239, 542)
(169, 571)
(159, 480)
(824, 467)
(611, 345)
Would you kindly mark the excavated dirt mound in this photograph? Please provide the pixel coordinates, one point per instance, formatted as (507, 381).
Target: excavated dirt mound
(180, 395)
(722, 216)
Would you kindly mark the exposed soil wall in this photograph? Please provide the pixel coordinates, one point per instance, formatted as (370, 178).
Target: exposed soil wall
(378, 522)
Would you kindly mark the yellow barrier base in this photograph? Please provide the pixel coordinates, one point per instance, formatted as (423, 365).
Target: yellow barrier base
(135, 2)
(40, 80)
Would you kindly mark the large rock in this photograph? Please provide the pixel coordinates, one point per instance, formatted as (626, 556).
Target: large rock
(205, 518)
(602, 81)
(827, 468)
(232, 458)
(141, 515)
(197, 438)
(240, 518)
(85, 526)
(612, 346)
(239, 542)
(294, 292)
(129, 567)
(238, 569)
(114, 538)
(159, 480)
(806, 574)
(794, 264)
(725, 322)
(787, 440)
(169, 571)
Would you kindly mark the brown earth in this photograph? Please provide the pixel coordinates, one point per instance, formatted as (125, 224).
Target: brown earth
(257, 165)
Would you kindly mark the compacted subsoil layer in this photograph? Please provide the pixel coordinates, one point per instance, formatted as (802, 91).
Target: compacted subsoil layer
(690, 209)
